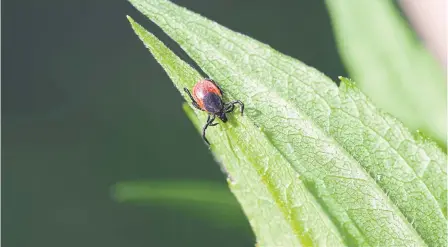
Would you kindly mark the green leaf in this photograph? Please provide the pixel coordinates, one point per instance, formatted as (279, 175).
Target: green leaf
(310, 164)
(255, 188)
(390, 64)
(280, 209)
(207, 200)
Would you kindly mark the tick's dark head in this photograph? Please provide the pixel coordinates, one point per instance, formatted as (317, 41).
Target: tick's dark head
(222, 116)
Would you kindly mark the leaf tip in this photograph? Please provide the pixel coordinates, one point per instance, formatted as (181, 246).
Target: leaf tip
(348, 82)
(135, 26)
(130, 19)
(116, 192)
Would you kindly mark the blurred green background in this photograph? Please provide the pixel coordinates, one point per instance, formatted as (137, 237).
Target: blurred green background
(86, 106)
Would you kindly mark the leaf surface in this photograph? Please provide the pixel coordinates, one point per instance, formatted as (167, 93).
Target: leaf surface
(310, 163)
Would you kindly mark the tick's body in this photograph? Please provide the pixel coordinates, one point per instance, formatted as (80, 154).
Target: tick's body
(207, 96)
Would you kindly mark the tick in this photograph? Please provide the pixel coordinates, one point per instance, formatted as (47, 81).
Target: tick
(207, 96)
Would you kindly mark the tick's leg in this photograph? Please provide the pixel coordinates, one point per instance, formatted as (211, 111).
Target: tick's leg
(192, 99)
(233, 103)
(214, 83)
(196, 105)
(209, 122)
(228, 107)
(189, 94)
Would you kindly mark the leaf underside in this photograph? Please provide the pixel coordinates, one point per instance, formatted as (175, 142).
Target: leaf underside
(310, 163)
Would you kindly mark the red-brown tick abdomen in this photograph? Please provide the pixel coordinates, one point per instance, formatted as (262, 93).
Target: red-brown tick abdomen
(203, 88)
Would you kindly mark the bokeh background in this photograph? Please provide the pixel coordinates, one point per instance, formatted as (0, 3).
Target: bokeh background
(86, 106)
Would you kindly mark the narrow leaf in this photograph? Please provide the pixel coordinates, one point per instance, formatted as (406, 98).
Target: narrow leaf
(207, 200)
(359, 170)
(390, 64)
